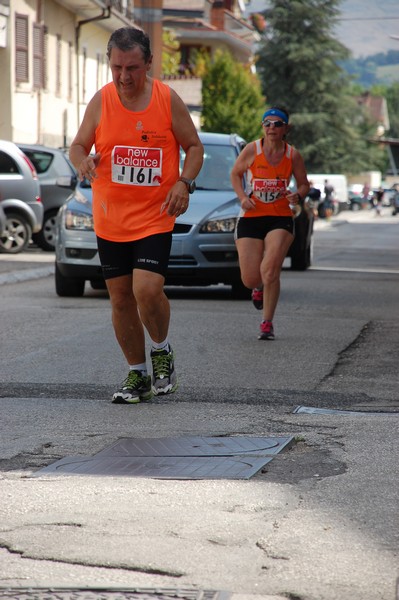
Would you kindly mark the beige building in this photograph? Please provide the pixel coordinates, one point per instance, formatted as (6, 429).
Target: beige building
(53, 55)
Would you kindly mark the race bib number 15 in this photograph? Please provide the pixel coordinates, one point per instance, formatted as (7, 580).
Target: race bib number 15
(268, 190)
(136, 166)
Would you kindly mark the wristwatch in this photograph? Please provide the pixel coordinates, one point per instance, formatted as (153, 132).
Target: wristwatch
(190, 183)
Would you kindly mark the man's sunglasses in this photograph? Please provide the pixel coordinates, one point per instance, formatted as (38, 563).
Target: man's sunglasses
(267, 123)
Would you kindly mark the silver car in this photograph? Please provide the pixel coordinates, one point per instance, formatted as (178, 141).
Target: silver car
(203, 249)
(20, 198)
(50, 164)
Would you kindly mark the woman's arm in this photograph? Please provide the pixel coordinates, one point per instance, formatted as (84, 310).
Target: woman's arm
(243, 161)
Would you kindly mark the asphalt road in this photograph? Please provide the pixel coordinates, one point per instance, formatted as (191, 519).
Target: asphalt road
(316, 523)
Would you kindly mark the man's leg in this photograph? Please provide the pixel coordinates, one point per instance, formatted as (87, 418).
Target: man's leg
(126, 319)
(153, 305)
(130, 335)
(154, 309)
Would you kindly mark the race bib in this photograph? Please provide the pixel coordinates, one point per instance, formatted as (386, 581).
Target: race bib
(268, 190)
(136, 166)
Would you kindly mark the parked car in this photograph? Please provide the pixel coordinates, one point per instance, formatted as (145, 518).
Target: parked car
(389, 195)
(394, 199)
(20, 198)
(203, 250)
(2, 220)
(50, 163)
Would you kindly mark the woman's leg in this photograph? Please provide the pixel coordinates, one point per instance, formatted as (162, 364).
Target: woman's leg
(250, 255)
(277, 244)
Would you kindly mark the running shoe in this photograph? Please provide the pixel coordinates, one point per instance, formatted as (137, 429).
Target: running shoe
(134, 388)
(164, 378)
(266, 331)
(257, 298)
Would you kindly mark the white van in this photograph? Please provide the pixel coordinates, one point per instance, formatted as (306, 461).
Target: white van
(340, 185)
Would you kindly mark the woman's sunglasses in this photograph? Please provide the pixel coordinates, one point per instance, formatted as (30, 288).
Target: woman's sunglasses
(267, 123)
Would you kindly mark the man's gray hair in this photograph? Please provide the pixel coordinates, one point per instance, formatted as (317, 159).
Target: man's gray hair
(127, 38)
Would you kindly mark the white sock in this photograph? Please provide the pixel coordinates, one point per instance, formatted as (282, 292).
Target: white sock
(142, 367)
(161, 345)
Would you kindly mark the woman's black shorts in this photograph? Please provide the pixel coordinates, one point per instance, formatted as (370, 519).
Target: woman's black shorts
(259, 227)
(149, 254)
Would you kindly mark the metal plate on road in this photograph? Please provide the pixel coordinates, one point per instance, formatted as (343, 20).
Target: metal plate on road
(195, 457)
(158, 467)
(310, 410)
(196, 446)
(109, 594)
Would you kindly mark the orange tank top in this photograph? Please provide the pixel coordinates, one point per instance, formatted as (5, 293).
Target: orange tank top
(139, 164)
(266, 182)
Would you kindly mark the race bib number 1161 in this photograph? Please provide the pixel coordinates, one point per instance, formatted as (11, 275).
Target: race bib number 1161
(136, 166)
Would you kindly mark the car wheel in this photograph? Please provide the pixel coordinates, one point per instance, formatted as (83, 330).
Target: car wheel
(355, 206)
(68, 287)
(239, 291)
(45, 238)
(16, 235)
(98, 284)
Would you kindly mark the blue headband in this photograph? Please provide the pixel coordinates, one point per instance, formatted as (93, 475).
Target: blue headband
(275, 112)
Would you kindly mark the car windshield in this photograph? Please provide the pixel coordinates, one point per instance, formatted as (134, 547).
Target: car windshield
(216, 168)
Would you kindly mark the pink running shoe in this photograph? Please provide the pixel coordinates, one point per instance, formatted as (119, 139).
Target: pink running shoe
(257, 298)
(266, 331)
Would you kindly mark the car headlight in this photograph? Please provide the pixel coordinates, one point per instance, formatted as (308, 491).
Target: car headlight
(219, 225)
(78, 220)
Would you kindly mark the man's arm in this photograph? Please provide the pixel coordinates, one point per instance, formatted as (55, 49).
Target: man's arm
(187, 136)
(81, 146)
(177, 198)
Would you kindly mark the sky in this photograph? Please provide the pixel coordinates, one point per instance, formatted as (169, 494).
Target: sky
(365, 27)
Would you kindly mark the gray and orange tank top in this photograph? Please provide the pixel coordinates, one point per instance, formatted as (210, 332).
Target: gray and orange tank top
(267, 183)
(139, 164)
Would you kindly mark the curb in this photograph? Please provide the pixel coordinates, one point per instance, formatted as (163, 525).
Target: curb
(26, 274)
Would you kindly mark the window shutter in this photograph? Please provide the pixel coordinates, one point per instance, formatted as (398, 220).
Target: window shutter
(70, 59)
(38, 56)
(21, 49)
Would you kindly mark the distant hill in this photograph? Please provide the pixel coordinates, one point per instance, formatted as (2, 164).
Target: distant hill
(377, 68)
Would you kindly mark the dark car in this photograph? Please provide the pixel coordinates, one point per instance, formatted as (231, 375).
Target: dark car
(203, 249)
(50, 164)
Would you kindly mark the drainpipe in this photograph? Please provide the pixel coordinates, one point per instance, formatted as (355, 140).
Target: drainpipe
(39, 133)
(105, 14)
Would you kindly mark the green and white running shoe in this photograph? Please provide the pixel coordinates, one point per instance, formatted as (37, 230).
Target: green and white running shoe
(164, 378)
(135, 387)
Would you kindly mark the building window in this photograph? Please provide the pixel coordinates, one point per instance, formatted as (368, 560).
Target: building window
(21, 49)
(58, 66)
(38, 57)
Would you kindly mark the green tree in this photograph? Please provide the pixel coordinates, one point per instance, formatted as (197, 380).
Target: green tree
(232, 100)
(299, 65)
(171, 55)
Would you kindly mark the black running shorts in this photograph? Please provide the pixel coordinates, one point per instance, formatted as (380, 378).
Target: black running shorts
(259, 227)
(149, 254)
